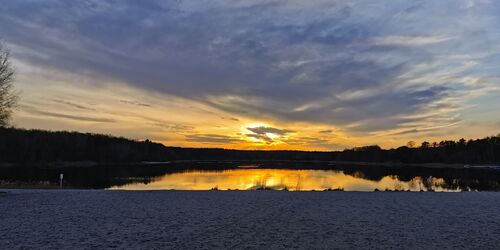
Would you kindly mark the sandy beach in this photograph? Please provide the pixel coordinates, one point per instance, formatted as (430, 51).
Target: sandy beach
(101, 219)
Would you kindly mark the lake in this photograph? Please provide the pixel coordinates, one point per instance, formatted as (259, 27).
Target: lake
(283, 179)
(291, 176)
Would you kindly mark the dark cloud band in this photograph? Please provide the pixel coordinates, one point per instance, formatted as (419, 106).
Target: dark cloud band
(364, 67)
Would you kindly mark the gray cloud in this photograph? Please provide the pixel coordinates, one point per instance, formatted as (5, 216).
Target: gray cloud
(348, 63)
(172, 127)
(425, 130)
(261, 133)
(260, 137)
(66, 116)
(135, 103)
(212, 138)
(74, 105)
(234, 119)
(264, 130)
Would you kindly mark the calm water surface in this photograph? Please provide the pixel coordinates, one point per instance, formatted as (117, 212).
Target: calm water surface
(292, 176)
(283, 179)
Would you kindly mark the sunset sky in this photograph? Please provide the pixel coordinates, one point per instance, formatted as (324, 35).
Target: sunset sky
(306, 75)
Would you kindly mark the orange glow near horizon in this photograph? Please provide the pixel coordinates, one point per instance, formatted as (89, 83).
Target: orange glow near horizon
(113, 108)
(238, 84)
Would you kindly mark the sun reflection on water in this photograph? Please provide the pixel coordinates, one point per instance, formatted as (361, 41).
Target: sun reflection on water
(284, 179)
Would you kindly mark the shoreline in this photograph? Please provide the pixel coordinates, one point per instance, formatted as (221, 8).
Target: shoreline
(84, 164)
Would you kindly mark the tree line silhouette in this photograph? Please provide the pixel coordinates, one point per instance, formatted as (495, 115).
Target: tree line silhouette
(38, 146)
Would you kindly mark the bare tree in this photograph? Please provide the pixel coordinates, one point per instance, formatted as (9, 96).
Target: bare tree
(8, 98)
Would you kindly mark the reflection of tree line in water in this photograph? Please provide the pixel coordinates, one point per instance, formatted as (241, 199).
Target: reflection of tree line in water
(105, 176)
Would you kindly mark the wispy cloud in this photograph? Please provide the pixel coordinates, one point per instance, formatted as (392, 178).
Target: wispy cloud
(212, 138)
(135, 103)
(234, 119)
(328, 131)
(171, 127)
(267, 134)
(363, 68)
(74, 105)
(265, 130)
(66, 116)
(409, 40)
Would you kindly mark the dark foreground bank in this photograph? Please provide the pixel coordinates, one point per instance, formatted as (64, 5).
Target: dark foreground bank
(91, 219)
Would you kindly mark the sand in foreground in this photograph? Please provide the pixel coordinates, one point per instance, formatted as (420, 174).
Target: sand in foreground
(91, 219)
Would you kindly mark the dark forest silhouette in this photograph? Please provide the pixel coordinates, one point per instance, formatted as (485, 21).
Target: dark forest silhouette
(37, 146)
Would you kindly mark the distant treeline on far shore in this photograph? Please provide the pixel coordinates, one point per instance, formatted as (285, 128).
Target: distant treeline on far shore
(37, 146)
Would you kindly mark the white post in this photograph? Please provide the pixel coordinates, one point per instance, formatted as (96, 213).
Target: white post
(61, 177)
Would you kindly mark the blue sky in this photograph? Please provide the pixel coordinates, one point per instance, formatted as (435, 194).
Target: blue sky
(368, 71)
